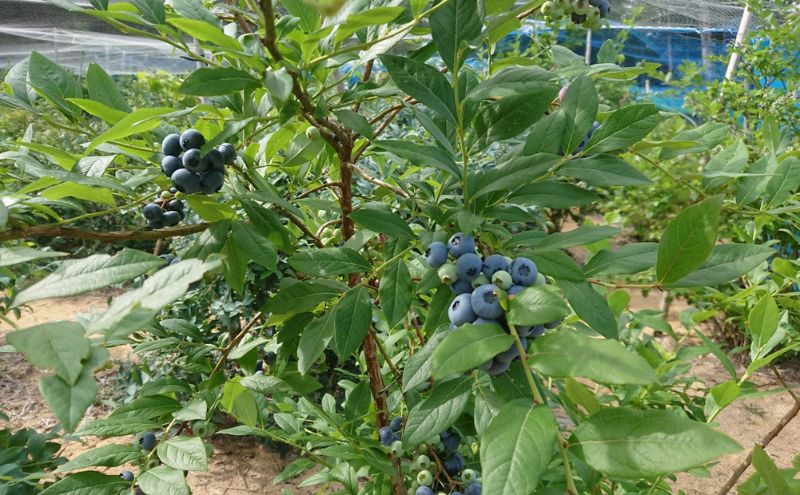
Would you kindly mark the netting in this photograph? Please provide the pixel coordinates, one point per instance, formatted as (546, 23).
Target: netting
(719, 14)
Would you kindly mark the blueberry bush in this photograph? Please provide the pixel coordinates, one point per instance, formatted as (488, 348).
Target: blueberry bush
(381, 298)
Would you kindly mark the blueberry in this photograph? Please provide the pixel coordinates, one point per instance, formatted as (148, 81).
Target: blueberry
(502, 279)
(212, 182)
(487, 365)
(152, 212)
(171, 145)
(447, 273)
(126, 475)
(155, 224)
(215, 160)
(270, 357)
(460, 310)
(605, 9)
(469, 476)
(468, 266)
(460, 243)
(523, 271)
(436, 254)
(461, 286)
(169, 164)
(485, 302)
(171, 218)
(524, 331)
(451, 442)
(192, 139)
(260, 365)
(498, 367)
(454, 465)
(167, 258)
(175, 261)
(228, 152)
(588, 137)
(480, 280)
(397, 447)
(175, 205)
(538, 331)
(424, 490)
(396, 424)
(486, 321)
(193, 160)
(473, 489)
(494, 263)
(512, 353)
(386, 436)
(515, 289)
(423, 462)
(424, 478)
(186, 181)
(148, 441)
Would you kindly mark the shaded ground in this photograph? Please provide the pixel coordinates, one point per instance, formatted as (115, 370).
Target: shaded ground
(241, 465)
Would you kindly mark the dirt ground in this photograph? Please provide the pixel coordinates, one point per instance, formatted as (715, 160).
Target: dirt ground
(240, 465)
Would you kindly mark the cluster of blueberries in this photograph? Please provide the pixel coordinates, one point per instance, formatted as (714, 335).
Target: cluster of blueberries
(479, 284)
(165, 210)
(190, 170)
(446, 445)
(585, 12)
(269, 360)
(147, 442)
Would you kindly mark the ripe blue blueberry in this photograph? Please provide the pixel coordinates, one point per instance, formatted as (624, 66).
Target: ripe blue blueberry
(396, 424)
(171, 218)
(171, 145)
(538, 331)
(192, 139)
(451, 441)
(498, 367)
(486, 321)
(515, 289)
(485, 302)
(193, 161)
(228, 152)
(461, 286)
(386, 436)
(175, 205)
(460, 244)
(169, 164)
(524, 331)
(270, 357)
(152, 212)
(454, 464)
(460, 310)
(487, 365)
(524, 272)
(468, 266)
(126, 475)
(473, 489)
(212, 182)
(552, 324)
(424, 490)
(185, 181)
(493, 264)
(148, 441)
(436, 254)
(215, 160)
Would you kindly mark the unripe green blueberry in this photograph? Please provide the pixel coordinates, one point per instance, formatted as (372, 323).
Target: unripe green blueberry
(502, 280)
(165, 195)
(425, 478)
(179, 195)
(423, 462)
(540, 279)
(480, 280)
(312, 133)
(397, 448)
(547, 8)
(448, 273)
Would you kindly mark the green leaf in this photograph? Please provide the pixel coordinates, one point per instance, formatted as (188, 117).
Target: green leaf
(426, 156)
(784, 183)
(3, 222)
(69, 401)
(59, 345)
(731, 160)
(111, 455)
(753, 187)
(196, 409)
(314, 340)
(721, 396)
(99, 110)
(726, 263)
(217, 81)
(564, 57)
(102, 88)
(517, 447)
(422, 82)
(137, 122)
(627, 260)
(580, 109)
(234, 265)
(353, 318)
(546, 135)
(634, 444)
(187, 453)
(468, 347)
(436, 412)
(382, 220)
(54, 83)
(268, 224)
(769, 473)
(263, 384)
(87, 482)
(570, 354)
(257, 247)
(514, 173)
(295, 296)
(355, 121)
(210, 209)
(117, 427)
(395, 292)
(707, 136)
(419, 366)
(88, 274)
(14, 255)
(514, 81)
(688, 240)
(536, 305)
(623, 128)
(551, 194)
(556, 264)
(604, 170)
(204, 31)
(327, 262)
(585, 234)
(508, 117)
(590, 306)
(151, 10)
(150, 407)
(163, 480)
(193, 9)
(762, 322)
(453, 26)
(79, 191)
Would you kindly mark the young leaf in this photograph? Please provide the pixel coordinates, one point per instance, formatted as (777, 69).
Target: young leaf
(570, 354)
(769, 473)
(763, 323)
(536, 305)
(187, 453)
(423, 83)
(633, 444)
(437, 411)
(468, 347)
(453, 26)
(395, 291)
(103, 89)
(590, 306)
(151, 10)
(353, 317)
(204, 31)
(327, 262)
(517, 447)
(688, 240)
(57, 345)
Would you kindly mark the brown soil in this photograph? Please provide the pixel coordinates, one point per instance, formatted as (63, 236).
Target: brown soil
(241, 465)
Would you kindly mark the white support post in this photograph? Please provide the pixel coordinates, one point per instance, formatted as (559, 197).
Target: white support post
(744, 25)
(588, 52)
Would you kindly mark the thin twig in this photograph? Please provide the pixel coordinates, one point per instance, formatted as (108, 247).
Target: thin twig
(378, 182)
(388, 359)
(327, 224)
(302, 226)
(108, 237)
(319, 188)
(234, 342)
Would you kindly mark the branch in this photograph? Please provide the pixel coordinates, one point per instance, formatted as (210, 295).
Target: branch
(378, 182)
(300, 225)
(318, 188)
(108, 237)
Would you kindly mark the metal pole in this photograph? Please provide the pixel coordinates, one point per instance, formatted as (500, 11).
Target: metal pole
(588, 53)
(743, 27)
